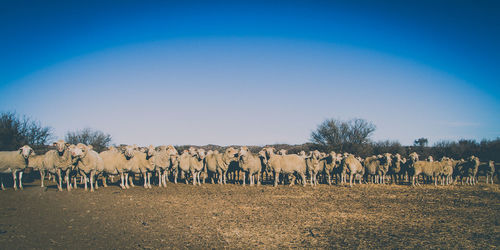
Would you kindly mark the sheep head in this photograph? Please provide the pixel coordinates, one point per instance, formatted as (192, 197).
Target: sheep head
(26, 151)
(129, 151)
(61, 146)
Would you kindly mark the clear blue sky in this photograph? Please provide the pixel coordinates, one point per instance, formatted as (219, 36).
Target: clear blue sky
(256, 72)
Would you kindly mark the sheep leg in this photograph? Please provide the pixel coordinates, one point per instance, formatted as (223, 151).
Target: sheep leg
(21, 180)
(123, 178)
(149, 179)
(293, 180)
(85, 180)
(131, 180)
(14, 177)
(42, 176)
(126, 181)
(276, 177)
(74, 183)
(160, 176)
(59, 186)
(96, 179)
(350, 179)
(91, 181)
(303, 177)
(68, 181)
(164, 178)
(104, 180)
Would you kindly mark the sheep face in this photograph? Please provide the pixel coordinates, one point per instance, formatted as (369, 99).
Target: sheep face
(171, 150)
(200, 153)
(243, 151)
(316, 154)
(269, 151)
(60, 146)
(129, 151)
(282, 152)
(150, 151)
(231, 154)
(26, 151)
(414, 157)
(78, 151)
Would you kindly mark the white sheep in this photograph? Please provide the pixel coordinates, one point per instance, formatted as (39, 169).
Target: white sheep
(59, 161)
(114, 163)
(250, 164)
(138, 163)
(88, 163)
(14, 162)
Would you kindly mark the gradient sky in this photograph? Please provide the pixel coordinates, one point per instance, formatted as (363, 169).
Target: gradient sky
(257, 72)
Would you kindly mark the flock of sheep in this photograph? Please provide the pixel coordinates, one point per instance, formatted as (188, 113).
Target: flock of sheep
(67, 162)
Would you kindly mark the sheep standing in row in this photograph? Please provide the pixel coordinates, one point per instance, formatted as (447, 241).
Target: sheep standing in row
(284, 164)
(183, 163)
(136, 163)
(377, 167)
(250, 164)
(426, 168)
(352, 166)
(114, 161)
(162, 162)
(331, 165)
(196, 163)
(211, 165)
(36, 162)
(88, 163)
(395, 169)
(445, 171)
(59, 162)
(13, 162)
(314, 166)
(470, 169)
(224, 162)
(487, 169)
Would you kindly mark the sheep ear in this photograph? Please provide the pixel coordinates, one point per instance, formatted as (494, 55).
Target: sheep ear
(90, 147)
(20, 150)
(54, 144)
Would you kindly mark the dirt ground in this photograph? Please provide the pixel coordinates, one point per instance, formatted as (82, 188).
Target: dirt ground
(232, 216)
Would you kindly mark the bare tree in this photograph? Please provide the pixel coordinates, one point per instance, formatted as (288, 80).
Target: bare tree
(421, 142)
(16, 131)
(343, 135)
(99, 140)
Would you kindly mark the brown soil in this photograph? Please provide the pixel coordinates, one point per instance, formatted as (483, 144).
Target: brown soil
(232, 216)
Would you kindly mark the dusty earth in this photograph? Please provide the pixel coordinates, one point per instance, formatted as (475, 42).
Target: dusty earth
(232, 216)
